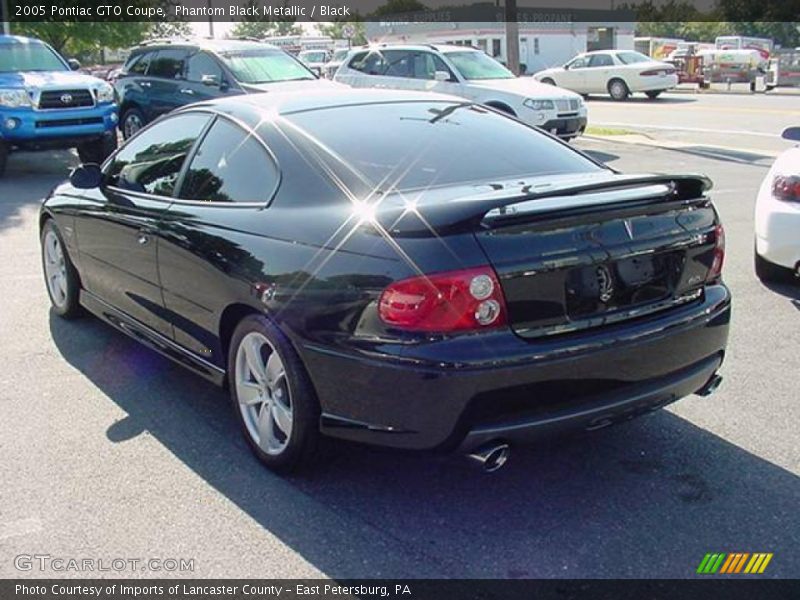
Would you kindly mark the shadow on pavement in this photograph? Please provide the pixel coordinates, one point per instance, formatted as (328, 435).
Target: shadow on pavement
(647, 499)
(29, 177)
(642, 99)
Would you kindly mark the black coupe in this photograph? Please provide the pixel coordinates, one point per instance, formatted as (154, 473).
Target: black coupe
(403, 269)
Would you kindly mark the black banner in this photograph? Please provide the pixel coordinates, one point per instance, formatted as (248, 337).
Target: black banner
(400, 11)
(734, 588)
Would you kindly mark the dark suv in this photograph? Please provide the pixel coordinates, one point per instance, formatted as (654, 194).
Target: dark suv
(161, 76)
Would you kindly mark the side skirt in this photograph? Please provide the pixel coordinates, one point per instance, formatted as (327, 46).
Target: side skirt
(150, 338)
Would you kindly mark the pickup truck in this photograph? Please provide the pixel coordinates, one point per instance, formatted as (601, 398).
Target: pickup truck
(45, 103)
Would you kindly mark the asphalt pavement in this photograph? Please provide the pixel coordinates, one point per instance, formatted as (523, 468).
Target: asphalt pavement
(110, 451)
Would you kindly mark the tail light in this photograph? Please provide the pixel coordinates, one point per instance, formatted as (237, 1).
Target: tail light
(715, 272)
(652, 72)
(786, 188)
(469, 299)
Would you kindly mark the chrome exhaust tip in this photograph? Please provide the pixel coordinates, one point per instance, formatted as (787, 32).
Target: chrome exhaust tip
(711, 386)
(491, 456)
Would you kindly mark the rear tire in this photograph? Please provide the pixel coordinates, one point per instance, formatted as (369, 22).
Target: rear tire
(60, 277)
(97, 151)
(769, 272)
(3, 157)
(273, 399)
(653, 95)
(132, 121)
(618, 90)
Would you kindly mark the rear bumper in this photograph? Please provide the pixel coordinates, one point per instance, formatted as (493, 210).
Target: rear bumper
(777, 224)
(56, 128)
(443, 394)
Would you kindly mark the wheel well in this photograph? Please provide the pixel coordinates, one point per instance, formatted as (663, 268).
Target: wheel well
(613, 79)
(502, 107)
(230, 318)
(128, 105)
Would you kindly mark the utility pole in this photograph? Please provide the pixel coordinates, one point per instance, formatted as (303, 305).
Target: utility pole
(512, 36)
(210, 20)
(6, 24)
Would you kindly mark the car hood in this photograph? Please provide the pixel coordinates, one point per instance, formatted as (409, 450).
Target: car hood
(525, 86)
(46, 79)
(293, 86)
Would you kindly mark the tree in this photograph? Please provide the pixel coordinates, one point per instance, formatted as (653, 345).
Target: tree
(75, 39)
(335, 29)
(259, 28)
(169, 29)
(398, 7)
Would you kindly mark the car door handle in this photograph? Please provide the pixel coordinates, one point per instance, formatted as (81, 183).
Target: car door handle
(144, 83)
(143, 239)
(187, 91)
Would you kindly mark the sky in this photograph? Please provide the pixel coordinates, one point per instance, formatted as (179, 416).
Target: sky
(223, 27)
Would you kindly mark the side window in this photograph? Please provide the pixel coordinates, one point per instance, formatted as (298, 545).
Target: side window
(151, 161)
(371, 63)
(426, 64)
(601, 60)
(138, 66)
(578, 63)
(168, 63)
(229, 166)
(398, 63)
(201, 64)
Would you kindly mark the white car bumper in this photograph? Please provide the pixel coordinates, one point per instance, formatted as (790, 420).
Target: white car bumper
(778, 230)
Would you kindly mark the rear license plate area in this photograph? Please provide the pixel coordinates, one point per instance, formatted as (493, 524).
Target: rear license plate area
(625, 283)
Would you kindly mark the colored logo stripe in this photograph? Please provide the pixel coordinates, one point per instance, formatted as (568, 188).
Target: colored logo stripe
(734, 562)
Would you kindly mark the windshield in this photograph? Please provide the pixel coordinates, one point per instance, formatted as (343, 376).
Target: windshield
(265, 66)
(630, 58)
(312, 57)
(339, 55)
(477, 65)
(29, 57)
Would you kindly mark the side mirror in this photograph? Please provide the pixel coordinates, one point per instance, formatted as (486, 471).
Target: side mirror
(86, 177)
(74, 64)
(441, 76)
(210, 80)
(792, 134)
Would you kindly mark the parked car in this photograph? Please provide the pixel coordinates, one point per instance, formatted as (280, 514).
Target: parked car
(459, 280)
(162, 76)
(468, 73)
(336, 60)
(45, 103)
(618, 73)
(314, 60)
(777, 252)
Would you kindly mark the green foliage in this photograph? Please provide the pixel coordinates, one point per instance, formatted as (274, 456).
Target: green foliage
(259, 28)
(335, 29)
(78, 39)
(393, 7)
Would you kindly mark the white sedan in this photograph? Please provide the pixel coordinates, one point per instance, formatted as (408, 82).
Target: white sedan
(618, 73)
(778, 216)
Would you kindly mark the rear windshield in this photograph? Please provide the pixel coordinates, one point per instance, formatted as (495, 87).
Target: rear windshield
(630, 58)
(29, 57)
(407, 145)
(265, 66)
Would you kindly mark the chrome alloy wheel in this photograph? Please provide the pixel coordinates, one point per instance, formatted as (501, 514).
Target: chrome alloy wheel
(131, 125)
(55, 269)
(262, 390)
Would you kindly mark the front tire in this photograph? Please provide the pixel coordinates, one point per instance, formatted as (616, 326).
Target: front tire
(272, 396)
(60, 276)
(618, 90)
(97, 151)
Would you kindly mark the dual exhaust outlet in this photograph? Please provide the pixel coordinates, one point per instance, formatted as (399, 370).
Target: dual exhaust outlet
(492, 456)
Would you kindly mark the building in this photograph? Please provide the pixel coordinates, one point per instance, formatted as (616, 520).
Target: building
(548, 37)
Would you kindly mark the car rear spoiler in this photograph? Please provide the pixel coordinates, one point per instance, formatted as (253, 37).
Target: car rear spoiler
(439, 214)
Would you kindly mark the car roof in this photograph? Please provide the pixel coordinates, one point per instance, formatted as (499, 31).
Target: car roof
(205, 44)
(256, 108)
(444, 48)
(18, 39)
